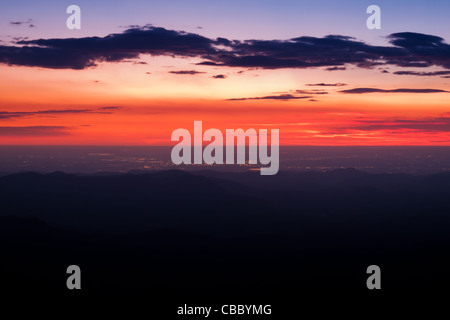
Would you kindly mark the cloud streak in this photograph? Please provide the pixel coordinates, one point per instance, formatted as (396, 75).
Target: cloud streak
(37, 131)
(326, 84)
(336, 69)
(29, 23)
(286, 96)
(438, 124)
(186, 72)
(21, 114)
(422, 74)
(283, 97)
(375, 90)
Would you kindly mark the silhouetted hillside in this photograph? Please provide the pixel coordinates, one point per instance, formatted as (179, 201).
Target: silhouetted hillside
(216, 232)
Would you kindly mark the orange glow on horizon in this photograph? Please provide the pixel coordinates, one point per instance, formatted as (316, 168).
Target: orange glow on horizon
(139, 104)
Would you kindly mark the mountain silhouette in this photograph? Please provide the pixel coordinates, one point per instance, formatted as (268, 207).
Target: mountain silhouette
(210, 231)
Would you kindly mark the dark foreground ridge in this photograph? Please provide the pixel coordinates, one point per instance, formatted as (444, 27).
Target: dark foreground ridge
(215, 233)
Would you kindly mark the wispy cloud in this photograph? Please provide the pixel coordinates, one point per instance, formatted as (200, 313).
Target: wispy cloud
(34, 131)
(326, 84)
(186, 72)
(375, 90)
(441, 124)
(28, 23)
(284, 97)
(422, 74)
(288, 95)
(336, 69)
(310, 92)
(110, 108)
(20, 114)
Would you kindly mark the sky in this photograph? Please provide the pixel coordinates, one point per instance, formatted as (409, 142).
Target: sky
(138, 70)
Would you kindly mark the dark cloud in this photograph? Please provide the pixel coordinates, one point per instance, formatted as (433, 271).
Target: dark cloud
(110, 108)
(423, 50)
(188, 72)
(326, 84)
(310, 92)
(208, 63)
(375, 90)
(441, 124)
(19, 38)
(80, 53)
(21, 114)
(284, 97)
(132, 26)
(36, 131)
(219, 76)
(336, 68)
(423, 74)
(29, 22)
(334, 52)
(410, 49)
